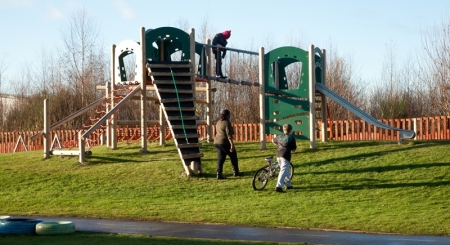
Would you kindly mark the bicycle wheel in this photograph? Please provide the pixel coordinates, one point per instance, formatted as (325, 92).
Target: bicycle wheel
(291, 168)
(260, 179)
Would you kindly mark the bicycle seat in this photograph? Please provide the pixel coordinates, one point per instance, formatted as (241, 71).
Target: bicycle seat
(268, 159)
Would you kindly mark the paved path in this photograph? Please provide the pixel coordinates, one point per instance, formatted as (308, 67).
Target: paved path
(226, 232)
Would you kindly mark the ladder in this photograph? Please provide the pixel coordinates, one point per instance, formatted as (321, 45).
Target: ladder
(175, 87)
(319, 119)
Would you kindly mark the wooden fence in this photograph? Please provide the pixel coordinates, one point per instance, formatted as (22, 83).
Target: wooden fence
(426, 128)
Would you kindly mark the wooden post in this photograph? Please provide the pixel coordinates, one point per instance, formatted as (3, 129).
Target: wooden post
(81, 146)
(162, 127)
(209, 102)
(141, 75)
(102, 138)
(312, 98)
(324, 135)
(415, 127)
(113, 124)
(262, 104)
(46, 131)
(107, 105)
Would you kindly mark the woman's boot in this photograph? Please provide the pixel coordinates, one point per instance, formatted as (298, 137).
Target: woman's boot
(219, 175)
(237, 173)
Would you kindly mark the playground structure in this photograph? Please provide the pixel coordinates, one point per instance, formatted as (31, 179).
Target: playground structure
(174, 84)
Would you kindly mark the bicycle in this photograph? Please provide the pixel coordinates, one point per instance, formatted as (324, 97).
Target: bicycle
(270, 171)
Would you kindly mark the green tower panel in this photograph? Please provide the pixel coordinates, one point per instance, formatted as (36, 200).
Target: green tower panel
(200, 49)
(287, 110)
(283, 57)
(284, 102)
(318, 69)
(167, 40)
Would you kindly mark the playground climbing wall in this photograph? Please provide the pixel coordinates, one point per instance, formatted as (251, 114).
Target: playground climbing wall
(287, 101)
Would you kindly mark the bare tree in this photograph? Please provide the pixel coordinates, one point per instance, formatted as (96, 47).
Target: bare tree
(385, 98)
(205, 30)
(82, 58)
(434, 69)
(341, 78)
(21, 108)
(183, 24)
(67, 79)
(411, 101)
(3, 68)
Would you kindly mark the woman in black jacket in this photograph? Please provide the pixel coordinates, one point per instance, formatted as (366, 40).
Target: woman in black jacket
(223, 142)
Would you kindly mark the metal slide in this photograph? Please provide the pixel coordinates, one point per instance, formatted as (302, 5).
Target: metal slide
(404, 134)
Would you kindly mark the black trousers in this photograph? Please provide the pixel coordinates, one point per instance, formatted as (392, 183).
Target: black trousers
(222, 152)
(218, 57)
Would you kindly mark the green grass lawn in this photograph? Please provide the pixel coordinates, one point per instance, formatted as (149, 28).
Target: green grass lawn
(364, 186)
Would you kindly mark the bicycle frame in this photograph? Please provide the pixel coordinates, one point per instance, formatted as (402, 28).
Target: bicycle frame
(264, 174)
(273, 167)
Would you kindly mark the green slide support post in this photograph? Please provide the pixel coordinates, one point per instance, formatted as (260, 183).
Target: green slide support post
(287, 101)
(200, 49)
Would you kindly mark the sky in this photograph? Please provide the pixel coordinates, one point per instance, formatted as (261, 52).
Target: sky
(360, 30)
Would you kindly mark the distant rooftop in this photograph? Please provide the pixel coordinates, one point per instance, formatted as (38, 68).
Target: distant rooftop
(8, 96)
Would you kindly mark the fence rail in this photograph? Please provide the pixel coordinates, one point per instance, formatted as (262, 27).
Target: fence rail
(426, 128)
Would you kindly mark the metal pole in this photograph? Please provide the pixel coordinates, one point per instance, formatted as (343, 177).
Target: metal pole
(232, 49)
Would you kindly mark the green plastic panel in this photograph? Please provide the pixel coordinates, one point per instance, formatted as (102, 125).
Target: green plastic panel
(200, 49)
(284, 104)
(318, 68)
(287, 110)
(285, 56)
(171, 39)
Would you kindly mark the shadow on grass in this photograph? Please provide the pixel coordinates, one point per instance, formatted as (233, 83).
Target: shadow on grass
(95, 160)
(377, 185)
(374, 183)
(362, 156)
(385, 168)
(352, 144)
(128, 158)
(153, 154)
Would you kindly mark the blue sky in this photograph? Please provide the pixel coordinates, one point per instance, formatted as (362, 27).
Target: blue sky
(356, 29)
